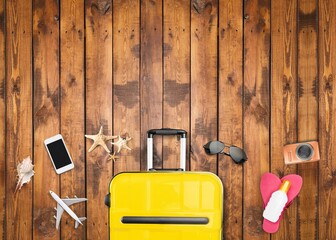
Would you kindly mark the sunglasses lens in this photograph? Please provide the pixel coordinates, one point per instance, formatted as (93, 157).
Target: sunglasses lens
(214, 147)
(238, 155)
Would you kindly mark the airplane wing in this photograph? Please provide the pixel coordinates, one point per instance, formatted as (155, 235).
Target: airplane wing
(58, 216)
(70, 201)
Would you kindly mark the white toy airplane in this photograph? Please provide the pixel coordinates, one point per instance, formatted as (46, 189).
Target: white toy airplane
(63, 204)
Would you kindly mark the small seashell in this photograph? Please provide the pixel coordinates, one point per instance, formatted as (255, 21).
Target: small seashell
(24, 172)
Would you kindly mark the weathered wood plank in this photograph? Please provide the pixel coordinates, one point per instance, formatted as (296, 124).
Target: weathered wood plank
(46, 114)
(204, 16)
(176, 74)
(72, 109)
(284, 100)
(327, 110)
(230, 112)
(18, 116)
(154, 58)
(126, 70)
(307, 120)
(98, 112)
(256, 112)
(2, 120)
(151, 77)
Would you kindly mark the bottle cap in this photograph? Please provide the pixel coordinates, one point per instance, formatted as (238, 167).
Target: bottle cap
(285, 186)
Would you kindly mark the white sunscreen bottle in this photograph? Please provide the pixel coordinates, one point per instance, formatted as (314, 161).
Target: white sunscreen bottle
(277, 203)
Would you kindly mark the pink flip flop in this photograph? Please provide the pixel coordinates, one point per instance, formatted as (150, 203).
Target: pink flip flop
(270, 183)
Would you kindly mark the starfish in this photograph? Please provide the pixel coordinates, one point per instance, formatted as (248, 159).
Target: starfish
(112, 157)
(122, 143)
(100, 139)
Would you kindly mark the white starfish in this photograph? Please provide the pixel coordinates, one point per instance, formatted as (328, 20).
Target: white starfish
(100, 139)
(122, 143)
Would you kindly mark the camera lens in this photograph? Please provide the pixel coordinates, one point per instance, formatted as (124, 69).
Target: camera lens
(304, 151)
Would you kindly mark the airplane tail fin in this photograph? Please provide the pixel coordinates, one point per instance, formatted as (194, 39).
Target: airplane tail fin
(80, 219)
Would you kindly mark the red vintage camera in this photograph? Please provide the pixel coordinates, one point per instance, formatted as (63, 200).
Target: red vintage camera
(303, 152)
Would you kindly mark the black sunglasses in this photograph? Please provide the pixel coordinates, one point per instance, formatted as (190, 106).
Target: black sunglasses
(237, 154)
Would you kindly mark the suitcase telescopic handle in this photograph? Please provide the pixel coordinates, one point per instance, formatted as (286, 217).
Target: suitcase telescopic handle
(167, 131)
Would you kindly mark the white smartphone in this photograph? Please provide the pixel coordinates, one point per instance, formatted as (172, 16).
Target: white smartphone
(58, 154)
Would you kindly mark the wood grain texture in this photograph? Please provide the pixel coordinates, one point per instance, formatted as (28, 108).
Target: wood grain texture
(98, 113)
(256, 111)
(284, 100)
(2, 121)
(230, 115)
(126, 69)
(72, 110)
(204, 24)
(19, 104)
(307, 121)
(46, 114)
(327, 110)
(151, 77)
(258, 74)
(176, 67)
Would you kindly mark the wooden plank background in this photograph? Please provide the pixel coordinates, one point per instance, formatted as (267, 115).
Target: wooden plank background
(284, 103)
(2, 118)
(257, 74)
(47, 113)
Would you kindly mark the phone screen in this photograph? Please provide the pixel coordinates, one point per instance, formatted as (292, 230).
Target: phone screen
(59, 154)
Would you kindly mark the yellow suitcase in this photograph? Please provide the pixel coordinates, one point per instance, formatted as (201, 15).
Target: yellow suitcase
(165, 205)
